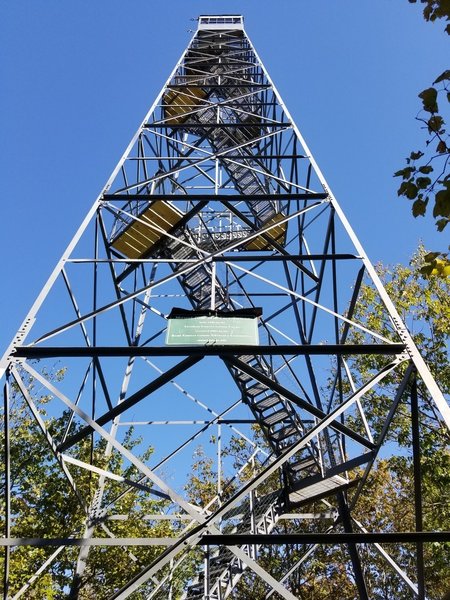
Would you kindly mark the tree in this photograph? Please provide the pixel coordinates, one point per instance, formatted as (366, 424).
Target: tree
(422, 302)
(423, 306)
(426, 175)
(44, 505)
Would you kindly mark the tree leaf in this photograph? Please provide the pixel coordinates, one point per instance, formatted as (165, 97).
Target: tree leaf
(427, 13)
(442, 204)
(441, 224)
(441, 147)
(416, 155)
(429, 100)
(419, 208)
(441, 268)
(435, 124)
(408, 189)
(426, 169)
(445, 75)
(423, 182)
(426, 270)
(405, 173)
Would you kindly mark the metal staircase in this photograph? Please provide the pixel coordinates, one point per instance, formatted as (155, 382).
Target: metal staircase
(278, 420)
(224, 568)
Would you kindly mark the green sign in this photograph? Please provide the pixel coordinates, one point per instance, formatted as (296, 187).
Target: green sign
(204, 331)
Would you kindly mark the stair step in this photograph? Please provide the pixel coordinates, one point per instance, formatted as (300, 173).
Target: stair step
(250, 360)
(205, 303)
(181, 251)
(313, 488)
(302, 464)
(208, 115)
(267, 402)
(284, 433)
(244, 527)
(196, 277)
(256, 389)
(276, 417)
(243, 377)
(175, 247)
(201, 291)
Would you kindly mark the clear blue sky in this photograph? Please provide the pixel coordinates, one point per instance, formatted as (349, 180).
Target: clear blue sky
(78, 76)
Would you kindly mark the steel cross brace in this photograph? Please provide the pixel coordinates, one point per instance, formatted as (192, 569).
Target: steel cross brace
(194, 536)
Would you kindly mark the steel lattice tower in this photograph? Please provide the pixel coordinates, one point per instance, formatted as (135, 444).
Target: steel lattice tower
(218, 223)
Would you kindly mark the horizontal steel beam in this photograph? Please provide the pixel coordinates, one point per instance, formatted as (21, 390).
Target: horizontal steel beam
(213, 196)
(236, 156)
(250, 257)
(274, 539)
(44, 542)
(217, 86)
(283, 257)
(260, 156)
(200, 125)
(216, 350)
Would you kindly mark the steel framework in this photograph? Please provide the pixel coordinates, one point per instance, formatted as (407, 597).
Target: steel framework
(216, 207)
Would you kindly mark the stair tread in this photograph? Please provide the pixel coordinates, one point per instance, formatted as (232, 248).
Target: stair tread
(304, 463)
(276, 417)
(268, 402)
(256, 389)
(283, 433)
(315, 487)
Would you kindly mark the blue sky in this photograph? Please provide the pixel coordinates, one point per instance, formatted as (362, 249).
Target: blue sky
(78, 77)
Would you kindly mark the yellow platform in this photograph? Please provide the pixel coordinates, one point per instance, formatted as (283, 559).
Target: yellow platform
(138, 237)
(178, 103)
(277, 233)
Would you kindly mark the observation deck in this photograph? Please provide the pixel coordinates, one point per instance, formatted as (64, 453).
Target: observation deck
(217, 22)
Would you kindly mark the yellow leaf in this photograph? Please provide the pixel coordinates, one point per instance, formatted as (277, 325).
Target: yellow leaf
(441, 268)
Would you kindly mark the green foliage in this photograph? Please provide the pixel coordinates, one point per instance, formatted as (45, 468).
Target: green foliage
(202, 485)
(429, 100)
(423, 303)
(433, 159)
(426, 175)
(436, 263)
(44, 505)
(37, 486)
(435, 9)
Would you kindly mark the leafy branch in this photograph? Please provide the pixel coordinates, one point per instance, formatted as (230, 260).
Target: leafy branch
(426, 177)
(435, 9)
(419, 177)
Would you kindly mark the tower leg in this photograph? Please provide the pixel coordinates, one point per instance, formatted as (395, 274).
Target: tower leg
(417, 485)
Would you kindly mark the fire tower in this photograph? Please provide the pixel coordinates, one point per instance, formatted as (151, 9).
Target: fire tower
(208, 302)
